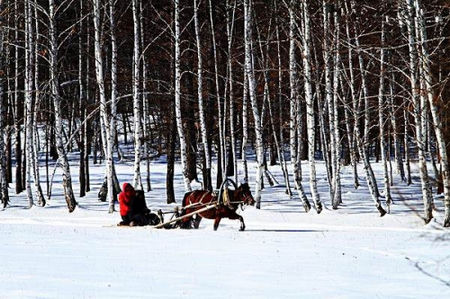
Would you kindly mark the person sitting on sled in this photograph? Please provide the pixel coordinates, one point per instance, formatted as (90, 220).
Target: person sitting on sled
(133, 208)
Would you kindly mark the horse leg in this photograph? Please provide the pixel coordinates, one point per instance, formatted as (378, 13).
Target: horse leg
(185, 223)
(197, 220)
(235, 216)
(216, 222)
(242, 228)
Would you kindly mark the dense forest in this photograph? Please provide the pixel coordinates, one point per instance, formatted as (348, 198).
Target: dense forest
(342, 82)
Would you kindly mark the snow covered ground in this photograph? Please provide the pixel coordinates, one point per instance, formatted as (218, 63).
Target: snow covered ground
(284, 253)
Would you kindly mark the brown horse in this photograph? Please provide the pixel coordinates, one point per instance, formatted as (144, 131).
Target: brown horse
(199, 199)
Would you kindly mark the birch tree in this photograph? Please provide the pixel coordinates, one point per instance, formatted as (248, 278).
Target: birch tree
(282, 157)
(206, 180)
(248, 65)
(137, 179)
(107, 121)
(411, 23)
(307, 61)
(425, 64)
(17, 129)
(62, 155)
(28, 85)
(292, 85)
(381, 119)
(187, 183)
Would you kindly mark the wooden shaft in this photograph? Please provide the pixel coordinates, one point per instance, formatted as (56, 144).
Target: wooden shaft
(186, 216)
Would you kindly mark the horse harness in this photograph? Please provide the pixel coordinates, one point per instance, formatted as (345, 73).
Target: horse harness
(226, 201)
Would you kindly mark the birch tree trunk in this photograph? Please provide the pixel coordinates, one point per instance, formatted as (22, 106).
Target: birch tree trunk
(137, 180)
(365, 93)
(352, 139)
(394, 124)
(292, 85)
(334, 131)
(381, 121)
(37, 103)
(18, 138)
(249, 70)
(62, 156)
(28, 85)
(411, 22)
(112, 185)
(307, 61)
(105, 119)
(280, 117)
(371, 183)
(187, 183)
(437, 121)
(329, 97)
(207, 179)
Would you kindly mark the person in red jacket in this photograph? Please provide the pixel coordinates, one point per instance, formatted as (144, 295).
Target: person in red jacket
(126, 198)
(133, 208)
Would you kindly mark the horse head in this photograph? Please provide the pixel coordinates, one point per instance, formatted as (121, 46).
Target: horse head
(245, 195)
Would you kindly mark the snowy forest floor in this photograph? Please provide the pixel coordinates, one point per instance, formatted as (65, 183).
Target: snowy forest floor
(284, 252)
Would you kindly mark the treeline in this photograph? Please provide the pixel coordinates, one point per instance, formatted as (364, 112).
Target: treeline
(343, 81)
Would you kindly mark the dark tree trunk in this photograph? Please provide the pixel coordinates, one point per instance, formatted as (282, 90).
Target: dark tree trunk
(82, 174)
(191, 136)
(171, 142)
(9, 156)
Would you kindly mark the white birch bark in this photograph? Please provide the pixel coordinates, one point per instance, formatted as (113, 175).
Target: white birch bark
(35, 132)
(280, 117)
(394, 123)
(105, 123)
(113, 111)
(28, 84)
(201, 106)
(18, 138)
(381, 121)
(292, 85)
(249, 68)
(329, 96)
(334, 131)
(437, 122)
(411, 24)
(187, 183)
(365, 94)
(137, 179)
(310, 120)
(371, 183)
(64, 162)
(352, 139)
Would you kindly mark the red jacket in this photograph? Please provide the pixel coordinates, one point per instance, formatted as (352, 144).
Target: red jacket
(125, 198)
